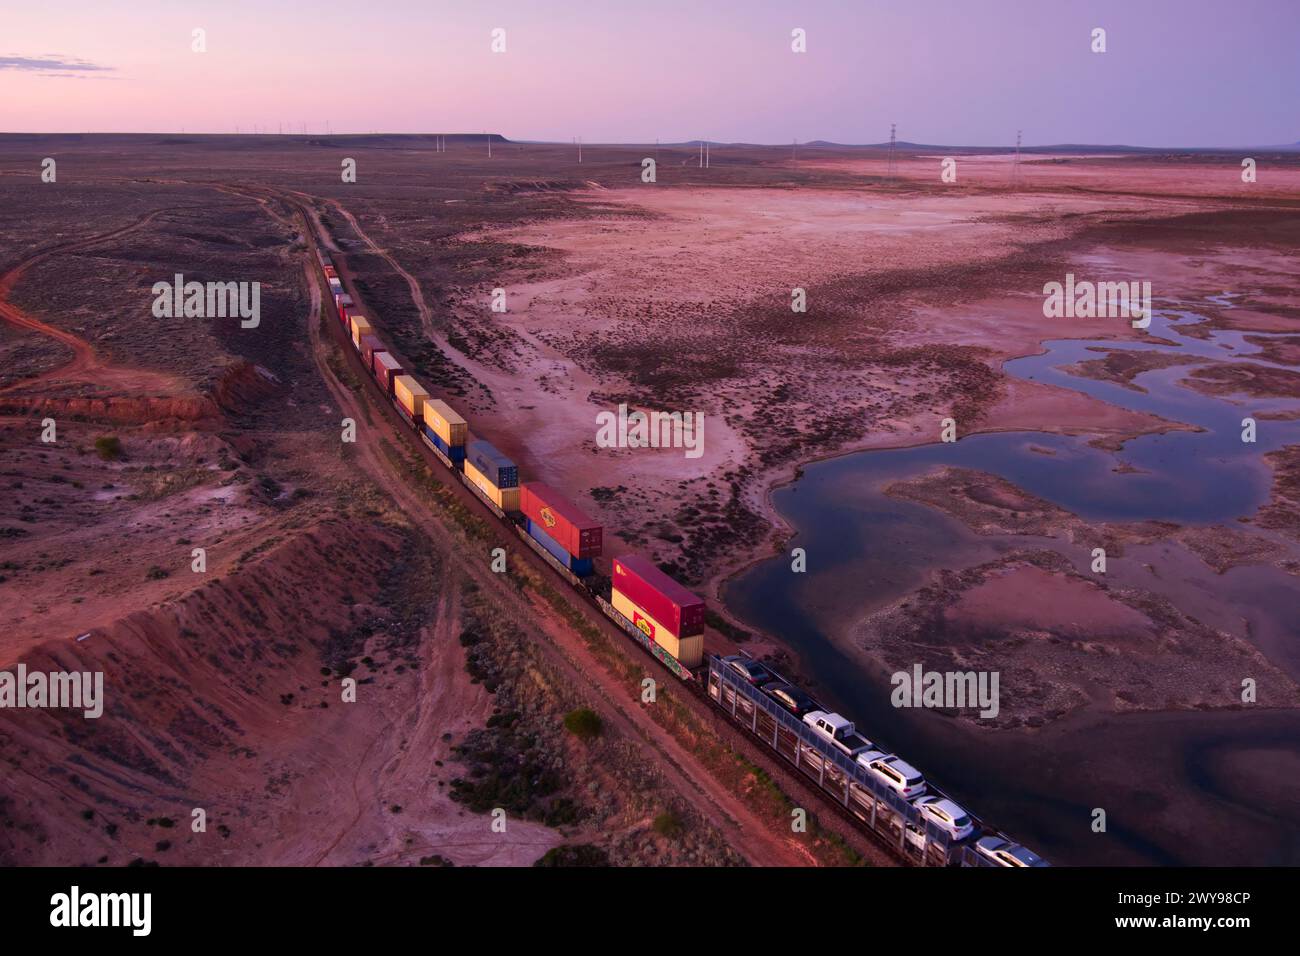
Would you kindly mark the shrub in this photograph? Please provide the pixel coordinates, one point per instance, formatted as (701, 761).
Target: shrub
(583, 723)
(582, 854)
(109, 447)
(668, 824)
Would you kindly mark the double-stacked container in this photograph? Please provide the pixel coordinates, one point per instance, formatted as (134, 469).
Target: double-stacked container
(386, 369)
(410, 396)
(359, 326)
(493, 474)
(662, 609)
(445, 429)
(371, 345)
(570, 535)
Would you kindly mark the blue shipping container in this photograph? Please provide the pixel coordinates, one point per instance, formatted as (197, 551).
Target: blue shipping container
(493, 465)
(579, 566)
(454, 452)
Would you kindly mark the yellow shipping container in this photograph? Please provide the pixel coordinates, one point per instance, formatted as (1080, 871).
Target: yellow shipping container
(410, 395)
(688, 650)
(444, 422)
(360, 326)
(507, 499)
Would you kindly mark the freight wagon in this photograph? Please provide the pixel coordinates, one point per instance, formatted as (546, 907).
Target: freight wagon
(342, 303)
(641, 592)
(563, 529)
(370, 345)
(504, 500)
(385, 368)
(359, 326)
(666, 612)
(445, 431)
(409, 396)
(499, 470)
(886, 815)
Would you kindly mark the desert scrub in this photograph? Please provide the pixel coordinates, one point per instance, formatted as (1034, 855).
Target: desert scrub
(583, 723)
(668, 824)
(581, 854)
(109, 447)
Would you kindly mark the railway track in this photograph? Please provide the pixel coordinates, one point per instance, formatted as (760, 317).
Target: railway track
(891, 825)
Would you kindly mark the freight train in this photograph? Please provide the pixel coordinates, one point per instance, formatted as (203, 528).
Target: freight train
(668, 621)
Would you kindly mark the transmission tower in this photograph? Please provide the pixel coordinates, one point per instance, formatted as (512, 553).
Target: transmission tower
(1015, 169)
(893, 166)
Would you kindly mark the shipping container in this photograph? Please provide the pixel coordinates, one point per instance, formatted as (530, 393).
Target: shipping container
(410, 396)
(386, 369)
(662, 598)
(453, 453)
(443, 421)
(330, 273)
(688, 650)
(360, 326)
(561, 519)
(579, 566)
(493, 465)
(507, 499)
(370, 344)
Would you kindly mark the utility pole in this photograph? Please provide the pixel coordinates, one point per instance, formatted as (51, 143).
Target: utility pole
(579, 150)
(893, 166)
(706, 154)
(701, 154)
(489, 139)
(1015, 169)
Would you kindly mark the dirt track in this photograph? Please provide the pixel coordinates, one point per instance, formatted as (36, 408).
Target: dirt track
(749, 835)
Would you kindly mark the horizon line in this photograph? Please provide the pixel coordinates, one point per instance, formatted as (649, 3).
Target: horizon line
(812, 143)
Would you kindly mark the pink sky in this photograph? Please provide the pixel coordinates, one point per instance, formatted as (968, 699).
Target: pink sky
(1176, 72)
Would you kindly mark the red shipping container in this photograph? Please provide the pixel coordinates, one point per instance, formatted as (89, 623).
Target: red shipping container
(370, 344)
(386, 368)
(570, 527)
(659, 595)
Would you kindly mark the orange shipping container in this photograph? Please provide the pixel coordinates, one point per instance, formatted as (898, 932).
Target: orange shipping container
(507, 499)
(444, 422)
(411, 395)
(688, 650)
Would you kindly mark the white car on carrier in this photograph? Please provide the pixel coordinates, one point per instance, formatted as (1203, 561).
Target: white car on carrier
(838, 731)
(894, 772)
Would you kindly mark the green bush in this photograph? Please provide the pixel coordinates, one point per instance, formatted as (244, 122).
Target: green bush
(109, 447)
(583, 723)
(668, 824)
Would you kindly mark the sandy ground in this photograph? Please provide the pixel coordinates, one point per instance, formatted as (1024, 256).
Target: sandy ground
(698, 257)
